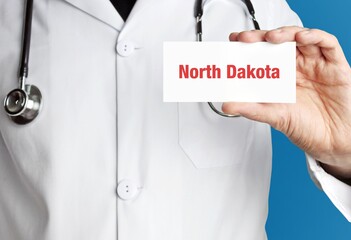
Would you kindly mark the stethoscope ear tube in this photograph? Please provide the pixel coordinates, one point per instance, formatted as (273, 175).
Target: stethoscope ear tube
(23, 104)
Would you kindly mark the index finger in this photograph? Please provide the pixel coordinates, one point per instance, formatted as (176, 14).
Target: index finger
(327, 43)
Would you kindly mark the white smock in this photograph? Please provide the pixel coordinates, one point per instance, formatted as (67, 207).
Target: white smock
(107, 159)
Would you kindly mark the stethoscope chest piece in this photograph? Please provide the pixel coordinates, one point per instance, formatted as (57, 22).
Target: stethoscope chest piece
(23, 105)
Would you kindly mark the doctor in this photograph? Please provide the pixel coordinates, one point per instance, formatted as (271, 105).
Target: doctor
(106, 159)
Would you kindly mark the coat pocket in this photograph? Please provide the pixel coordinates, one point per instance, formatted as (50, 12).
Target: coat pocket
(210, 140)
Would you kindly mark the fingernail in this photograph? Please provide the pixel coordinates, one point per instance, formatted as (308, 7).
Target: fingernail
(306, 32)
(232, 34)
(277, 31)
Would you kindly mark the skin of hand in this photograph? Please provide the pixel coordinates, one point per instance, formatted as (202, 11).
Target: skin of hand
(320, 120)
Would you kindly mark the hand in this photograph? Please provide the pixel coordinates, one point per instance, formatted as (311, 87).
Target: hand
(320, 121)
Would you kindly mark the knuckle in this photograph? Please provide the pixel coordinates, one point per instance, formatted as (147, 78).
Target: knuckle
(333, 38)
(316, 31)
(281, 124)
(330, 37)
(242, 35)
(291, 27)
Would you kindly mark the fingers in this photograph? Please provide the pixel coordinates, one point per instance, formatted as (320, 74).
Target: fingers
(289, 34)
(327, 43)
(310, 42)
(283, 34)
(248, 36)
(279, 35)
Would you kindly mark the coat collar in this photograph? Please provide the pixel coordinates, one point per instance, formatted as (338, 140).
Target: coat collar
(102, 10)
(139, 7)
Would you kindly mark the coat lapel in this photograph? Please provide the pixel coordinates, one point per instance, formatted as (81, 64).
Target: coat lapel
(139, 7)
(102, 10)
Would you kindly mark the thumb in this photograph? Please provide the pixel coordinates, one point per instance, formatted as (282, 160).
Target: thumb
(275, 115)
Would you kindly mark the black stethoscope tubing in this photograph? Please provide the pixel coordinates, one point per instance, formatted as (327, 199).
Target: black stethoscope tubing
(27, 32)
(23, 104)
(198, 16)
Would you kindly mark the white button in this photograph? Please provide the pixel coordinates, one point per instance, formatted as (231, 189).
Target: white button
(125, 48)
(127, 190)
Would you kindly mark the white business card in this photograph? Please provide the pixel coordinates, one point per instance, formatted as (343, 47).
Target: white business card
(229, 72)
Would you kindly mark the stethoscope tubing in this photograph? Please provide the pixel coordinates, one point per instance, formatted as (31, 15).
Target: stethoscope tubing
(198, 16)
(27, 33)
(23, 113)
(23, 104)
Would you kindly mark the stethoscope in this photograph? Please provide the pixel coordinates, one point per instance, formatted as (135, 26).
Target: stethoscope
(23, 104)
(198, 16)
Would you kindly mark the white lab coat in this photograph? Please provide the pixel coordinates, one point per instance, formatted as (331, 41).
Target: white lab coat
(107, 159)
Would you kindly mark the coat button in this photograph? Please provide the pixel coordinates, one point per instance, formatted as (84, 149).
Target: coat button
(125, 49)
(127, 190)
